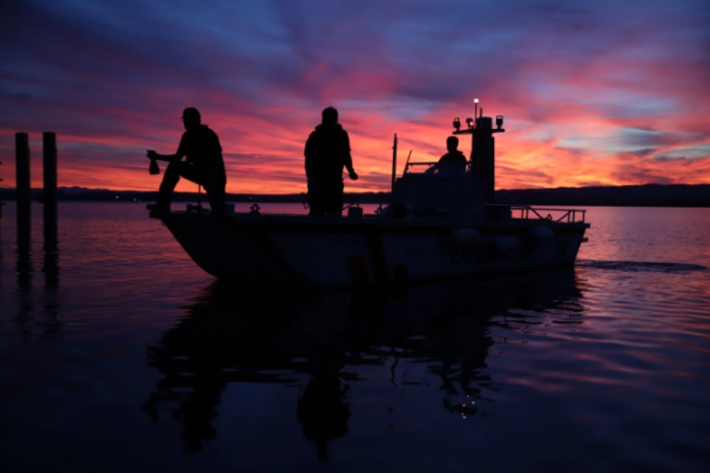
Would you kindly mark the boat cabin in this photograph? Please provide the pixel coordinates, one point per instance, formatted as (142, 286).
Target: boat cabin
(433, 190)
(453, 189)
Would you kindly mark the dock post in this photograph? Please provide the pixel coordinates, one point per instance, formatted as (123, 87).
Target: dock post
(1, 205)
(49, 142)
(22, 174)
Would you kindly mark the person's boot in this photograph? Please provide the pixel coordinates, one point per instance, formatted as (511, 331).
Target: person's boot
(159, 207)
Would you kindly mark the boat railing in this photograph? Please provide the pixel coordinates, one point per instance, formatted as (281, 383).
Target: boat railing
(431, 164)
(408, 165)
(560, 215)
(526, 212)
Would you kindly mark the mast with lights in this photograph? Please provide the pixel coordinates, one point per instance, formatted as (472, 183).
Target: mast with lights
(482, 159)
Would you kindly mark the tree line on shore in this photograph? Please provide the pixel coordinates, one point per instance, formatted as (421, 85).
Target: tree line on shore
(649, 195)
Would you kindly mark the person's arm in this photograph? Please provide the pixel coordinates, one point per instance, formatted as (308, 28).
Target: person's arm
(171, 158)
(164, 157)
(307, 153)
(348, 159)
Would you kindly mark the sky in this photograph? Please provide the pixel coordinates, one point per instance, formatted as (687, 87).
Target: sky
(592, 93)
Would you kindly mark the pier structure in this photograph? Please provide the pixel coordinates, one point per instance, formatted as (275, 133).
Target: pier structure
(49, 149)
(23, 189)
(22, 183)
(1, 202)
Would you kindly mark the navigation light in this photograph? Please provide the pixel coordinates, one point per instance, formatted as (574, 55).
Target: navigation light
(499, 121)
(469, 122)
(457, 123)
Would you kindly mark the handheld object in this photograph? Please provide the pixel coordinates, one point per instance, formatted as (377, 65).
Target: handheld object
(153, 169)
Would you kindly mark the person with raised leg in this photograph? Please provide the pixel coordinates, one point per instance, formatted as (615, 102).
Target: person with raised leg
(203, 164)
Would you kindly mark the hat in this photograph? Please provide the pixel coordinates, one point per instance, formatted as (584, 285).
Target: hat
(191, 112)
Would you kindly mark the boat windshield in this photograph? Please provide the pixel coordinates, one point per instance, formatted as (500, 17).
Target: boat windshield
(438, 168)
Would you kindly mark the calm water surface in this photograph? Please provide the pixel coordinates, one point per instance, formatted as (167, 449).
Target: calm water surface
(118, 354)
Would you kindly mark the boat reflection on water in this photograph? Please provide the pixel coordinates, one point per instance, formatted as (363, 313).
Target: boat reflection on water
(269, 334)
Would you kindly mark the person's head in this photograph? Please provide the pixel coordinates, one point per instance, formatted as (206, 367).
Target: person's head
(330, 116)
(452, 143)
(191, 118)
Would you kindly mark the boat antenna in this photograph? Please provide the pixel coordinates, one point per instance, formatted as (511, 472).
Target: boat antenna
(475, 110)
(394, 165)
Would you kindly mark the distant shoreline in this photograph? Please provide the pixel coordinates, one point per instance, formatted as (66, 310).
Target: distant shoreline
(648, 195)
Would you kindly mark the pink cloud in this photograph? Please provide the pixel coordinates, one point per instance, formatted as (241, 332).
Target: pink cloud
(584, 101)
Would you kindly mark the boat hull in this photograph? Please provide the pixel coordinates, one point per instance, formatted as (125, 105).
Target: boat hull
(331, 251)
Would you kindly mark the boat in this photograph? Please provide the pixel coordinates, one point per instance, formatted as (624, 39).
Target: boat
(440, 223)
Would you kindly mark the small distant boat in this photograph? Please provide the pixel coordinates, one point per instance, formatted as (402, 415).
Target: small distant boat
(441, 223)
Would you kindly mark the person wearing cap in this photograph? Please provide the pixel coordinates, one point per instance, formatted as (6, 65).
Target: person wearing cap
(203, 164)
(327, 152)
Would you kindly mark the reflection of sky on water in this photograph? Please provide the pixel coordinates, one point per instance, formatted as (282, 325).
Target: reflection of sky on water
(570, 372)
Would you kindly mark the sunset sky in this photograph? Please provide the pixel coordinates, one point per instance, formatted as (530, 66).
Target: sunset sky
(593, 93)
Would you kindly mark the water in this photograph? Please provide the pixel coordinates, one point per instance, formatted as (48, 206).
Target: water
(118, 354)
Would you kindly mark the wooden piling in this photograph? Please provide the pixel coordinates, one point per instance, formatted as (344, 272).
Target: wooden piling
(49, 143)
(22, 175)
(2, 204)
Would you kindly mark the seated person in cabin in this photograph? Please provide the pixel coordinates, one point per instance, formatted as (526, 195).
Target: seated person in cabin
(452, 163)
(203, 164)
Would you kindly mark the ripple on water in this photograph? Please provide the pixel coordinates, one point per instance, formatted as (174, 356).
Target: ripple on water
(606, 368)
(634, 266)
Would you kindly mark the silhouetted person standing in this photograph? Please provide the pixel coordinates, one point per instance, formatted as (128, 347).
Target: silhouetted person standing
(327, 152)
(203, 164)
